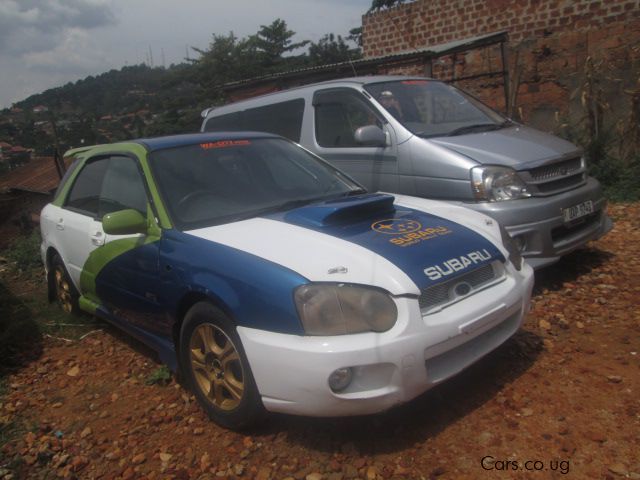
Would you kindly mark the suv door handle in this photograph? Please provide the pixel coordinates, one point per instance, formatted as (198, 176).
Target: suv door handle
(97, 239)
(60, 224)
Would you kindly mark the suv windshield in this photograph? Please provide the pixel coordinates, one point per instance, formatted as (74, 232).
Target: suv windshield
(430, 108)
(223, 181)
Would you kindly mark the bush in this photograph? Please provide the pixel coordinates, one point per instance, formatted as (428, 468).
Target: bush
(610, 139)
(622, 179)
(20, 335)
(25, 251)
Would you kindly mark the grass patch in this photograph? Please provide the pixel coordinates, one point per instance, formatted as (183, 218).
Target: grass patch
(20, 334)
(25, 312)
(24, 252)
(160, 376)
(26, 316)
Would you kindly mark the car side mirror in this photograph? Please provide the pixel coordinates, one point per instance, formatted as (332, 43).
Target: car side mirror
(370, 136)
(124, 222)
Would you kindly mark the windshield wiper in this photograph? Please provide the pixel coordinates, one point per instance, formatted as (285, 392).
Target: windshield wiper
(356, 191)
(291, 204)
(478, 127)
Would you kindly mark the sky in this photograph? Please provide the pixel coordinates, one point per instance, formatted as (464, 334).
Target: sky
(47, 43)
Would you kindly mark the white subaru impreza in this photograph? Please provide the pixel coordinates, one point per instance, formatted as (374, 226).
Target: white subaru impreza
(273, 281)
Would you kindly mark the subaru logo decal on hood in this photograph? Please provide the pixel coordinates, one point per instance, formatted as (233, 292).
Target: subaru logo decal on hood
(396, 226)
(408, 232)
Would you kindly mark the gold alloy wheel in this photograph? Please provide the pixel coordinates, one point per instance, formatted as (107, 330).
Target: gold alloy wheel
(63, 289)
(216, 366)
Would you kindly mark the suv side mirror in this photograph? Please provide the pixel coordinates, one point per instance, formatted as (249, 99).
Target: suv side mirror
(370, 136)
(124, 222)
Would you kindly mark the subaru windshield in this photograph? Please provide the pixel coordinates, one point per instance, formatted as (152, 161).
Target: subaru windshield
(429, 108)
(223, 181)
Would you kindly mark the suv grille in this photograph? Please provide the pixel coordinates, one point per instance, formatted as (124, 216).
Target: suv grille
(560, 169)
(556, 177)
(459, 287)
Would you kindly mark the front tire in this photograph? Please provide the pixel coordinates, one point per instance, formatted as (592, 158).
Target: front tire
(216, 369)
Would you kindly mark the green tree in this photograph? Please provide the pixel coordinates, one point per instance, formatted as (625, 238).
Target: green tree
(227, 59)
(355, 35)
(331, 49)
(377, 5)
(274, 40)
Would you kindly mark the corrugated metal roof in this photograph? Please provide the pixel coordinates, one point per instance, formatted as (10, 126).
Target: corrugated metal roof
(39, 176)
(455, 45)
(427, 52)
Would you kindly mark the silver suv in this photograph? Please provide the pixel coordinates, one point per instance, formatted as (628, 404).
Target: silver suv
(423, 137)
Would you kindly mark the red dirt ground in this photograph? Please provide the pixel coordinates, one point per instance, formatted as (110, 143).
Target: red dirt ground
(560, 399)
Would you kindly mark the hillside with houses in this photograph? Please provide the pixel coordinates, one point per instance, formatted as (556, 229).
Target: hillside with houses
(141, 100)
(131, 102)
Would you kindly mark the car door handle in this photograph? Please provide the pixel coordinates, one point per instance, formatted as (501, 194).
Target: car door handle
(60, 224)
(97, 239)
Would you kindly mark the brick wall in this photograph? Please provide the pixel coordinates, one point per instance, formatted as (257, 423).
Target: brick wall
(549, 43)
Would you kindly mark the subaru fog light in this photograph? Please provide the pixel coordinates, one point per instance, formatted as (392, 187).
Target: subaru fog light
(340, 379)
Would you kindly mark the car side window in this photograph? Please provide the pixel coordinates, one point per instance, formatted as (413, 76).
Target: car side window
(106, 185)
(122, 187)
(84, 196)
(67, 175)
(338, 114)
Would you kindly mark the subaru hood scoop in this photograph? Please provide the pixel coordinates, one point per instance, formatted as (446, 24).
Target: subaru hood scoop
(341, 211)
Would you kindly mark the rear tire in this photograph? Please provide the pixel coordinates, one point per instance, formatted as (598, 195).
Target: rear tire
(64, 291)
(216, 369)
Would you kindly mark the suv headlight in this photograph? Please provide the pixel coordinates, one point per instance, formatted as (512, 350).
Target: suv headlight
(514, 252)
(339, 308)
(496, 184)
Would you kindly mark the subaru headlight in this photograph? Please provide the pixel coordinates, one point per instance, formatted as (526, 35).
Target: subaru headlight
(496, 184)
(514, 252)
(339, 308)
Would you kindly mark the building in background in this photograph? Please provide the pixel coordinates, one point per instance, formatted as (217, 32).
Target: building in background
(24, 191)
(545, 62)
(13, 156)
(566, 58)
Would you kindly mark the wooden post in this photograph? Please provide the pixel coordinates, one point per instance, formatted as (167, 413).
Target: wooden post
(505, 78)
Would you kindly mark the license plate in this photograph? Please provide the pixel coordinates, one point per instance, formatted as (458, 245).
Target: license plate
(577, 211)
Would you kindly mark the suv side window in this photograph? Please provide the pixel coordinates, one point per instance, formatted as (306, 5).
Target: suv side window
(280, 118)
(284, 118)
(106, 185)
(338, 114)
(231, 122)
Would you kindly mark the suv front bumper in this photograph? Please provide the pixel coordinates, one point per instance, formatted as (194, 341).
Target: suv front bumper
(538, 224)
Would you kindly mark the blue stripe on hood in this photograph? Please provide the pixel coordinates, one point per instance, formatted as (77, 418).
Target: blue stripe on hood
(410, 239)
